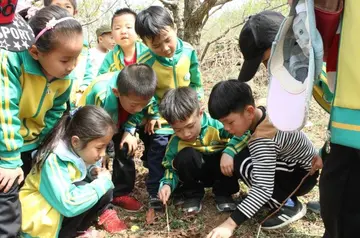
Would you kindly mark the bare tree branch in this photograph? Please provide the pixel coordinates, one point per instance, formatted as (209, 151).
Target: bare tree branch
(227, 30)
(221, 2)
(127, 4)
(112, 5)
(169, 3)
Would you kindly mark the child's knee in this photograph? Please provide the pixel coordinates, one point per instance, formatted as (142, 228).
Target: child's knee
(188, 163)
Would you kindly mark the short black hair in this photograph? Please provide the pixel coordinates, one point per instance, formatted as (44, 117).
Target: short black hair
(120, 12)
(139, 79)
(73, 3)
(151, 21)
(229, 96)
(179, 104)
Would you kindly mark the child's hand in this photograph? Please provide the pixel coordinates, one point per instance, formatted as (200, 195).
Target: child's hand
(150, 125)
(225, 230)
(131, 141)
(164, 193)
(8, 177)
(316, 164)
(104, 173)
(95, 171)
(227, 165)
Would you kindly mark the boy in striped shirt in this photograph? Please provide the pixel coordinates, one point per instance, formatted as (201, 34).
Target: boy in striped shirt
(277, 163)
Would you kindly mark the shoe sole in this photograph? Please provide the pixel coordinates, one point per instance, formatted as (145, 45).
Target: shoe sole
(298, 216)
(131, 211)
(224, 210)
(194, 212)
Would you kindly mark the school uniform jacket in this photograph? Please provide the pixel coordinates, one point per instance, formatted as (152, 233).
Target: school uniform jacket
(50, 194)
(179, 71)
(213, 138)
(100, 93)
(30, 105)
(82, 74)
(114, 59)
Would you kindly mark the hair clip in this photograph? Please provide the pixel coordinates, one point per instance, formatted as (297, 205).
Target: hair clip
(73, 112)
(51, 24)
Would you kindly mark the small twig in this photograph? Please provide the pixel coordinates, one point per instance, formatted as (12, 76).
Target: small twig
(167, 220)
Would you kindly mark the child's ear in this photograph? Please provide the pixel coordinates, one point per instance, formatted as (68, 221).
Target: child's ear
(116, 92)
(75, 142)
(250, 111)
(202, 109)
(75, 12)
(34, 52)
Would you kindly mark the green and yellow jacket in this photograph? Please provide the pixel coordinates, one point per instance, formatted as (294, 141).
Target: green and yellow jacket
(50, 194)
(213, 138)
(181, 70)
(30, 105)
(114, 59)
(83, 73)
(100, 93)
(345, 111)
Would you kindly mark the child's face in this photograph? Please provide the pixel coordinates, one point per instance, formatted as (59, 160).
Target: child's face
(107, 41)
(60, 61)
(94, 150)
(189, 130)
(164, 44)
(66, 4)
(133, 103)
(237, 123)
(123, 30)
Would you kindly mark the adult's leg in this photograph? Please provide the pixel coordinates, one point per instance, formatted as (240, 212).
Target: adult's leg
(339, 179)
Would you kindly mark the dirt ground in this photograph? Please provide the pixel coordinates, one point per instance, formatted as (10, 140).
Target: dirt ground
(182, 225)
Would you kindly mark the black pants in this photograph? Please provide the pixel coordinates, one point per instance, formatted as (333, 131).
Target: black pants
(123, 175)
(285, 182)
(339, 192)
(197, 171)
(10, 209)
(71, 226)
(155, 147)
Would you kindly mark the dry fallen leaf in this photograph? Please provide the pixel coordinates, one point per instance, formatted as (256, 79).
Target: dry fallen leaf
(150, 216)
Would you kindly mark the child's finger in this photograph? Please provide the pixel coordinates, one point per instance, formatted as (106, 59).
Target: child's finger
(3, 183)
(10, 183)
(158, 123)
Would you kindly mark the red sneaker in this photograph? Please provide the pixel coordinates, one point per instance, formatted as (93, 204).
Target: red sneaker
(111, 222)
(128, 203)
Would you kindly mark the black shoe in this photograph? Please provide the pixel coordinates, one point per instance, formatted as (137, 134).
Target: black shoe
(314, 206)
(285, 216)
(155, 203)
(192, 205)
(178, 199)
(225, 203)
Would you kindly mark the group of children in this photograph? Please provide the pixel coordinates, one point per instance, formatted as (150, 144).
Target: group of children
(152, 86)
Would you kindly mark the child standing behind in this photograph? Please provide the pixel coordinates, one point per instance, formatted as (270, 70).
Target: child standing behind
(200, 154)
(128, 50)
(33, 91)
(83, 73)
(105, 43)
(277, 163)
(55, 199)
(175, 64)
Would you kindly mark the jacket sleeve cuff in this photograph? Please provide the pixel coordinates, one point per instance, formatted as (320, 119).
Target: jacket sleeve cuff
(238, 217)
(102, 185)
(229, 151)
(11, 162)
